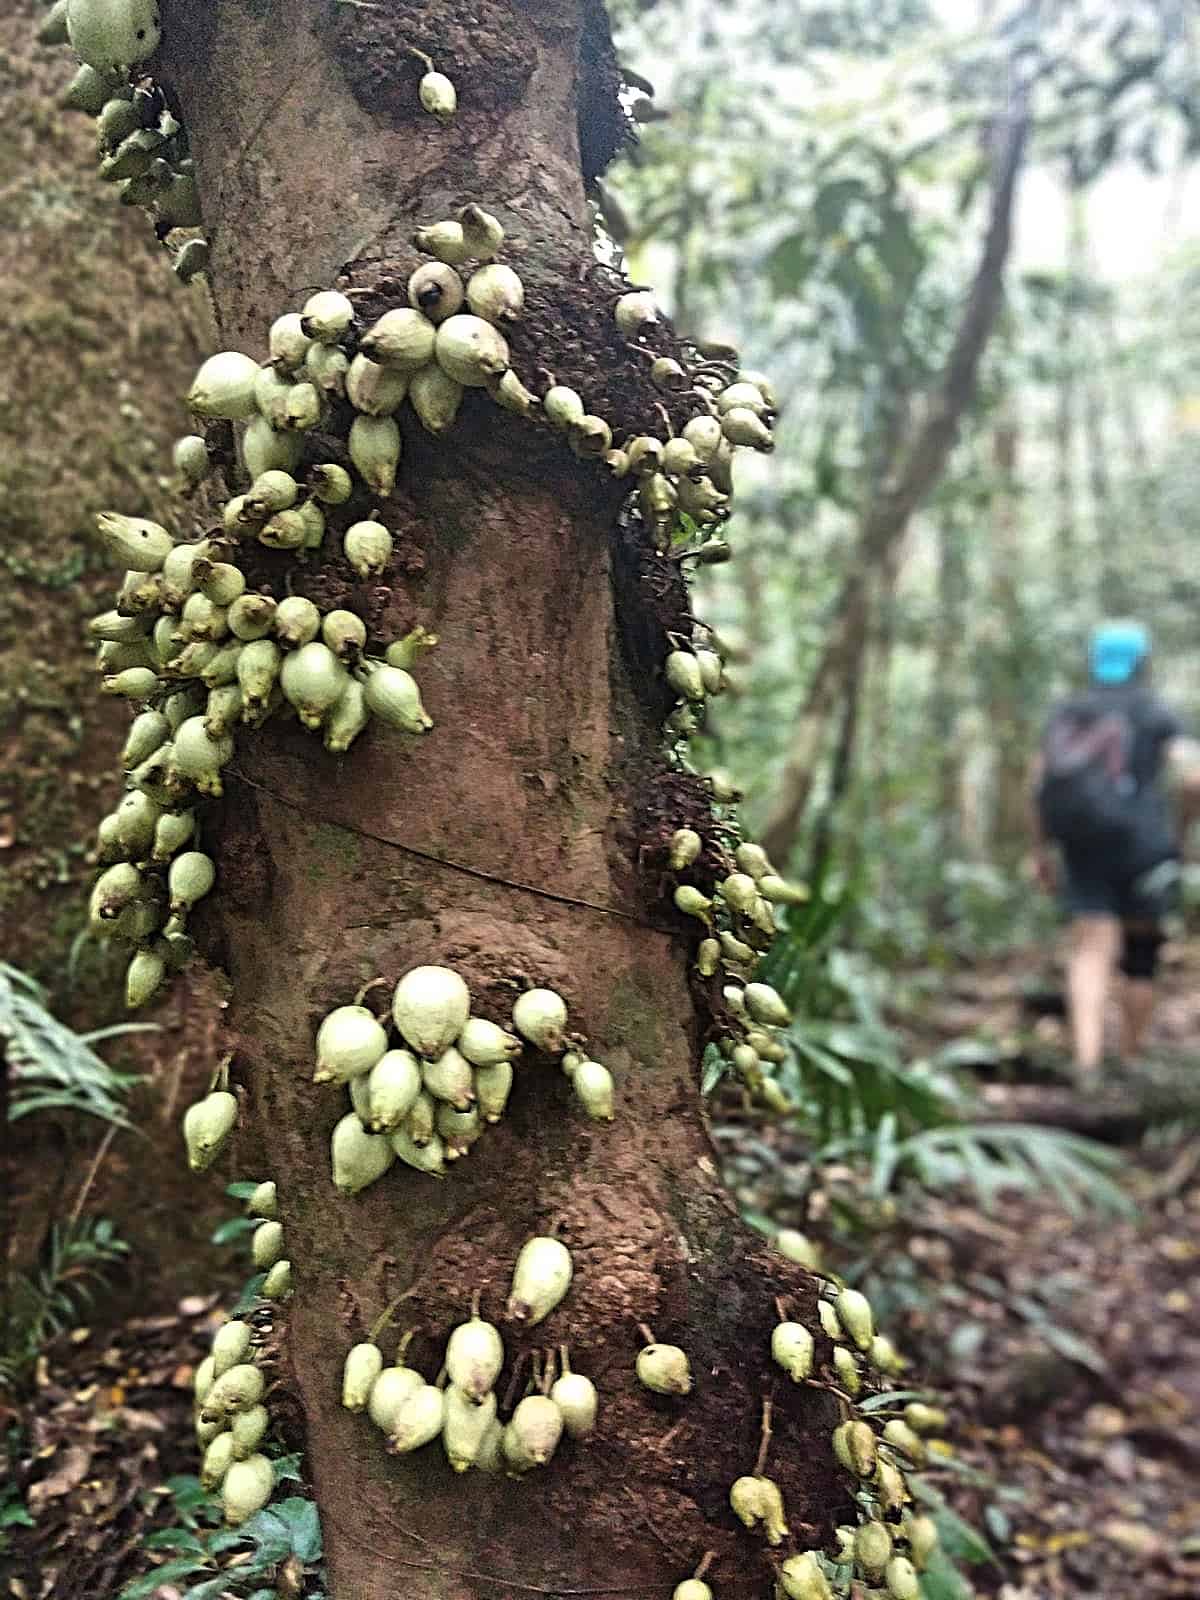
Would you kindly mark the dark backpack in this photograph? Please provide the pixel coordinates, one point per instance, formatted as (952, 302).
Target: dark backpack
(1088, 795)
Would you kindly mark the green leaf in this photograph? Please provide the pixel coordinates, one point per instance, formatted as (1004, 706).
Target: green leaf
(142, 1587)
(233, 1228)
(211, 1588)
(941, 1580)
(959, 1540)
(174, 1539)
(249, 1296)
(15, 1516)
(240, 1189)
(894, 1397)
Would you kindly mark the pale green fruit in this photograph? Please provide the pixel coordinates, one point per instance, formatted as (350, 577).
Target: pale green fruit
(757, 1500)
(470, 350)
(465, 1425)
(359, 1158)
(402, 338)
(430, 1007)
(541, 1278)
(593, 1086)
(436, 290)
(474, 1357)
(692, 1589)
(375, 390)
(113, 34)
(444, 240)
(368, 547)
(905, 1438)
(435, 397)
(143, 977)
(664, 1368)
(288, 342)
(493, 1085)
(207, 1126)
(449, 1078)
(482, 232)
(202, 1379)
(231, 1346)
(330, 483)
(258, 669)
(562, 406)
(344, 633)
(925, 1419)
(362, 1367)
(237, 1388)
(792, 1348)
(853, 1309)
(902, 1580)
(390, 1392)
(634, 312)
(873, 1548)
(199, 757)
(190, 454)
(496, 294)
(349, 1041)
(297, 622)
(137, 543)
(540, 1015)
(327, 315)
(277, 1284)
(224, 387)
(328, 368)
(393, 1084)
(428, 1157)
(485, 1044)
(419, 1420)
(922, 1535)
(247, 1488)
(438, 95)
(532, 1436)
(266, 449)
(393, 696)
(575, 1396)
(218, 1459)
(313, 680)
(686, 845)
(190, 878)
(148, 733)
(248, 1428)
(798, 1247)
(264, 1202)
(800, 1578)
(347, 719)
(266, 1247)
(846, 1367)
(741, 426)
(374, 446)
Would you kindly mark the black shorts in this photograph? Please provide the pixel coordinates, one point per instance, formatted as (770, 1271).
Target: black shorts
(1091, 888)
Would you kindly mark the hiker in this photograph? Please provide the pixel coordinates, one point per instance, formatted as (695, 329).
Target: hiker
(1100, 794)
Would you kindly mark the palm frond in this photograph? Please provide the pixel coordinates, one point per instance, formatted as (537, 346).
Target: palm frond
(52, 1067)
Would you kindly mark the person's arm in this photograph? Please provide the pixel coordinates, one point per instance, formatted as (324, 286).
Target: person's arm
(1043, 862)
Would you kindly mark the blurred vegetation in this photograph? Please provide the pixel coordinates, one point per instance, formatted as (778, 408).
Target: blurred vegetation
(812, 183)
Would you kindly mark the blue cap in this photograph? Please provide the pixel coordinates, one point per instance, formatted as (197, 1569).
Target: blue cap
(1117, 650)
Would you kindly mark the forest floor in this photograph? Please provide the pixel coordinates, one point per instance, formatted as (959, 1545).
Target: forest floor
(1066, 1347)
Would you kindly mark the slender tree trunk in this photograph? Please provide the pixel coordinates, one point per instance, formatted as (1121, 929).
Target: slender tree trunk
(500, 845)
(1007, 711)
(1067, 404)
(946, 699)
(902, 489)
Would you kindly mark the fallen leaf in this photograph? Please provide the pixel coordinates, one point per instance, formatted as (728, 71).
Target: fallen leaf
(70, 1473)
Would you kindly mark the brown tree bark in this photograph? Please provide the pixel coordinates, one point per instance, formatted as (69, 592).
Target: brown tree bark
(903, 488)
(946, 701)
(501, 845)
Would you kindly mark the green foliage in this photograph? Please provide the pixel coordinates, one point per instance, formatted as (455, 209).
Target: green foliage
(41, 1304)
(208, 1562)
(54, 1068)
(862, 1100)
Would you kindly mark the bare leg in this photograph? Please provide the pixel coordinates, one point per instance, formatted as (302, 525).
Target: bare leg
(1137, 1007)
(1095, 947)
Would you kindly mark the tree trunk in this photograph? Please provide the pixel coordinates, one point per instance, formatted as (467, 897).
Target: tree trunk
(501, 845)
(946, 699)
(903, 486)
(1008, 711)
